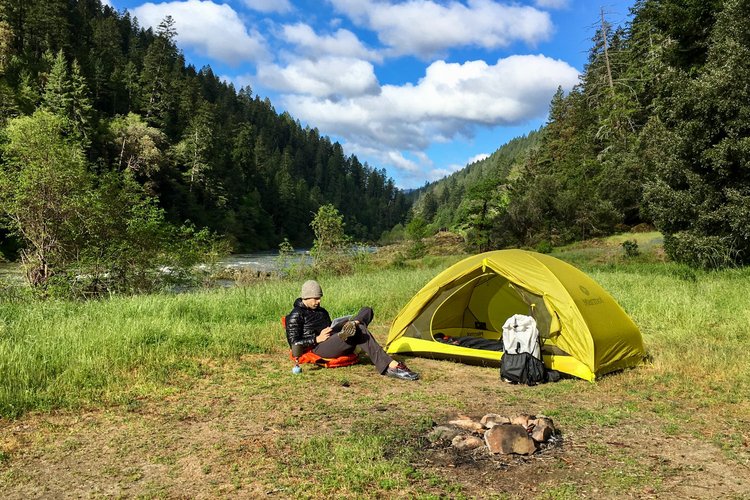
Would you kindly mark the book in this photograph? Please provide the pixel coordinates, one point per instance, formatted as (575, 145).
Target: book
(338, 323)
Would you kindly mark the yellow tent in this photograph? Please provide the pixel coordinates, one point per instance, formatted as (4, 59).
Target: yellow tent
(585, 333)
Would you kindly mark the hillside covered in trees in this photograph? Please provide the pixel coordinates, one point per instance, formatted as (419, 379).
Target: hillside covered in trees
(657, 131)
(211, 156)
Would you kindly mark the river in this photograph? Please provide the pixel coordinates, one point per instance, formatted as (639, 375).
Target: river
(258, 261)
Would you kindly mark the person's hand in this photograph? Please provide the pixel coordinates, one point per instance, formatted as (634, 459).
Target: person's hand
(325, 333)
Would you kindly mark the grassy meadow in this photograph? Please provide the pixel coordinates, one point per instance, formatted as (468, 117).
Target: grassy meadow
(192, 395)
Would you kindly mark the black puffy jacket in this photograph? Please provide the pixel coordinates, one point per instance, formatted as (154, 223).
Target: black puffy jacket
(304, 324)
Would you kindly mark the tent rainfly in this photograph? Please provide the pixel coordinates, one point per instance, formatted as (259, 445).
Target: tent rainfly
(584, 332)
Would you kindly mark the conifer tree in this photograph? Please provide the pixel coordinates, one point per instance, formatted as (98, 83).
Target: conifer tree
(700, 151)
(57, 92)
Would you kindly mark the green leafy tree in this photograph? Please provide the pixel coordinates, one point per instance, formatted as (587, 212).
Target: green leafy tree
(328, 226)
(195, 147)
(81, 109)
(44, 186)
(7, 100)
(330, 249)
(698, 145)
(140, 148)
(485, 203)
(82, 236)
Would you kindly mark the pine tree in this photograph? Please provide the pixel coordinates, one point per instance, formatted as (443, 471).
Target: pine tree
(158, 63)
(57, 93)
(81, 109)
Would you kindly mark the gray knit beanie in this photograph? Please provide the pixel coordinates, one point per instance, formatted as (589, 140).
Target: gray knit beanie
(311, 289)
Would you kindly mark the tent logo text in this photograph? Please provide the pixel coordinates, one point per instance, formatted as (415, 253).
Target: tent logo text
(593, 302)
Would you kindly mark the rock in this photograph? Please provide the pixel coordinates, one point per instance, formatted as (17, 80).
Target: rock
(442, 433)
(541, 434)
(492, 419)
(467, 424)
(509, 439)
(543, 429)
(522, 420)
(463, 442)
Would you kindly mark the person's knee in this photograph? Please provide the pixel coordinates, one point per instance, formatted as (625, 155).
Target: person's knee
(365, 315)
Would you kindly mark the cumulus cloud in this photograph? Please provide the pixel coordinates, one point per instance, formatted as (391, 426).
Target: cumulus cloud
(212, 30)
(269, 6)
(426, 27)
(397, 159)
(448, 102)
(324, 77)
(341, 43)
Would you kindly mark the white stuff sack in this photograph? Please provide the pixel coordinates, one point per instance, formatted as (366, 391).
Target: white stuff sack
(520, 335)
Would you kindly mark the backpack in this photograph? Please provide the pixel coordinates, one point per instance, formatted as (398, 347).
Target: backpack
(522, 352)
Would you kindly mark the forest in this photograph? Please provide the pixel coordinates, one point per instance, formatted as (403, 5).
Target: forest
(656, 132)
(103, 121)
(117, 157)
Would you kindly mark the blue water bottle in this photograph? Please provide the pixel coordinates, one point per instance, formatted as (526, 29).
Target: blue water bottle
(297, 351)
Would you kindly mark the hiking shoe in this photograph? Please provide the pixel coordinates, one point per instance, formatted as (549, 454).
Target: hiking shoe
(401, 371)
(349, 329)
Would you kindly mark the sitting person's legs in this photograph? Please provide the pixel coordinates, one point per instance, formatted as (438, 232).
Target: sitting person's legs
(337, 346)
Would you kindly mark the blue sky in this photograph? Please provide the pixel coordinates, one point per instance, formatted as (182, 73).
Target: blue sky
(418, 87)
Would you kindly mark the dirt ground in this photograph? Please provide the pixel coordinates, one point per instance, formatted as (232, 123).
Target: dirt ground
(226, 435)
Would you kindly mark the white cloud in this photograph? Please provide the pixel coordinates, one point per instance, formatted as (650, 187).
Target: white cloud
(439, 173)
(268, 6)
(341, 43)
(476, 158)
(325, 77)
(397, 159)
(212, 30)
(551, 4)
(448, 102)
(426, 27)
(239, 81)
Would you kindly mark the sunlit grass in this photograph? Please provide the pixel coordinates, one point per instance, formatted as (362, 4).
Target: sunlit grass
(64, 354)
(60, 354)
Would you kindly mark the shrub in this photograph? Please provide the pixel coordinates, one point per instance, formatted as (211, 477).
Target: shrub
(706, 252)
(544, 247)
(631, 248)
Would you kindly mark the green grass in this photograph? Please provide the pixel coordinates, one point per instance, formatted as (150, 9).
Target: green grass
(67, 354)
(122, 351)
